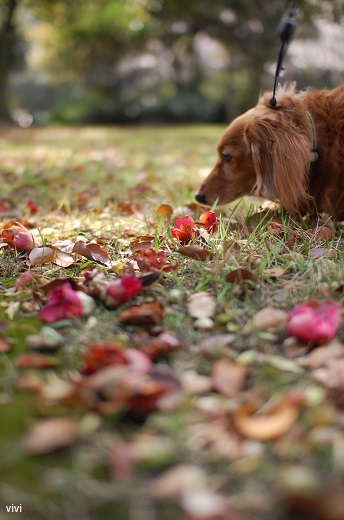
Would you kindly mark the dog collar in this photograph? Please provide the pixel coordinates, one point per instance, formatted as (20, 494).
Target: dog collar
(314, 149)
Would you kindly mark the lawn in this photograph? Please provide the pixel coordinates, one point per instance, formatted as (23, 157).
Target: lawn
(145, 375)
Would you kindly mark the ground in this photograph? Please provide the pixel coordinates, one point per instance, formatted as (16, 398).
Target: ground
(190, 397)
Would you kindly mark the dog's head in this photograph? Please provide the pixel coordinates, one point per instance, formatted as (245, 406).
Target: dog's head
(264, 152)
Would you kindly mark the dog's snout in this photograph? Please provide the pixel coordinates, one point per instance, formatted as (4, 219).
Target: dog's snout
(201, 198)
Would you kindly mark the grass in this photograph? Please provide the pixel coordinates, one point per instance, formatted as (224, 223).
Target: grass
(82, 178)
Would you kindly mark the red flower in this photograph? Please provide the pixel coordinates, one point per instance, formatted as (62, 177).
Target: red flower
(121, 290)
(31, 206)
(184, 229)
(63, 303)
(314, 321)
(209, 221)
(18, 237)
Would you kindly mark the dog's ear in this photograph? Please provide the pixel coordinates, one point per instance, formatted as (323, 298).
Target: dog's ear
(281, 157)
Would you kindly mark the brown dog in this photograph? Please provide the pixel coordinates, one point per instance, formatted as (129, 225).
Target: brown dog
(292, 153)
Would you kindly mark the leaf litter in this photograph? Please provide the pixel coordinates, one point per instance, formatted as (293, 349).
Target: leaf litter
(197, 356)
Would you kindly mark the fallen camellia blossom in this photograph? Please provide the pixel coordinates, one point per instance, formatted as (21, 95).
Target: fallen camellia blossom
(184, 229)
(64, 303)
(18, 236)
(121, 290)
(31, 206)
(315, 320)
(209, 220)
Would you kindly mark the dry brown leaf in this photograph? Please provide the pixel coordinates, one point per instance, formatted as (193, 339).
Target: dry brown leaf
(147, 314)
(49, 254)
(176, 480)
(93, 252)
(41, 255)
(324, 354)
(195, 383)
(268, 426)
(201, 305)
(48, 435)
(5, 345)
(275, 272)
(321, 252)
(165, 210)
(241, 276)
(266, 319)
(196, 252)
(62, 258)
(228, 377)
(204, 504)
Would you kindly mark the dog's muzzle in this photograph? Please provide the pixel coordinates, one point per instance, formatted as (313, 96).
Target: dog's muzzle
(201, 198)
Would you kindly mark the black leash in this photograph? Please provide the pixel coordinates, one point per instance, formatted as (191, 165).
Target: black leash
(285, 31)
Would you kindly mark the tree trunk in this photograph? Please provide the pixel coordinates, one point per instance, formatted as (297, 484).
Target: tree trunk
(7, 40)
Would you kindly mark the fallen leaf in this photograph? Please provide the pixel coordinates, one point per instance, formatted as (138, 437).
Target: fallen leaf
(146, 314)
(204, 504)
(41, 255)
(268, 426)
(62, 258)
(24, 279)
(48, 435)
(121, 461)
(228, 377)
(5, 345)
(196, 252)
(142, 242)
(241, 276)
(266, 319)
(101, 355)
(201, 305)
(155, 346)
(34, 360)
(149, 260)
(275, 272)
(173, 482)
(93, 252)
(321, 252)
(165, 210)
(322, 355)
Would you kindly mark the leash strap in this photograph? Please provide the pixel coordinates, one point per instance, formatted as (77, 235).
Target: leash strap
(286, 31)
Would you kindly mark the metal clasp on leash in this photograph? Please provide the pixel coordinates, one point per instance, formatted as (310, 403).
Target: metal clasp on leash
(286, 31)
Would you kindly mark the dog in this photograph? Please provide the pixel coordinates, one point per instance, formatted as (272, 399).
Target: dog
(291, 153)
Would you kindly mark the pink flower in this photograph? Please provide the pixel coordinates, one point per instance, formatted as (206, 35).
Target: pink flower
(315, 320)
(185, 229)
(18, 237)
(121, 290)
(209, 221)
(63, 303)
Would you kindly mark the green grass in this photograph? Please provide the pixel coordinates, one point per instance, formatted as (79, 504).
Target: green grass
(80, 179)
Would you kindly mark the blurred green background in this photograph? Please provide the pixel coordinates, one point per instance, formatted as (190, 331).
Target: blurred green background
(165, 61)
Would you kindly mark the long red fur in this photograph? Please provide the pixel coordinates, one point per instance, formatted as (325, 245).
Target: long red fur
(267, 152)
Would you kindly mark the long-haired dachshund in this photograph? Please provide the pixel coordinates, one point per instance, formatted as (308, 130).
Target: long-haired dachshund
(292, 153)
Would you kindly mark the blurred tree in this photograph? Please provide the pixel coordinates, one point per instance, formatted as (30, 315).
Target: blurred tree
(134, 52)
(7, 46)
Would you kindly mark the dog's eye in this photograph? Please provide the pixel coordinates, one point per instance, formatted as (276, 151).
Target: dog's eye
(226, 157)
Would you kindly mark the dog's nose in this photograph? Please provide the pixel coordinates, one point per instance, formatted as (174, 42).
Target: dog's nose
(201, 198)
